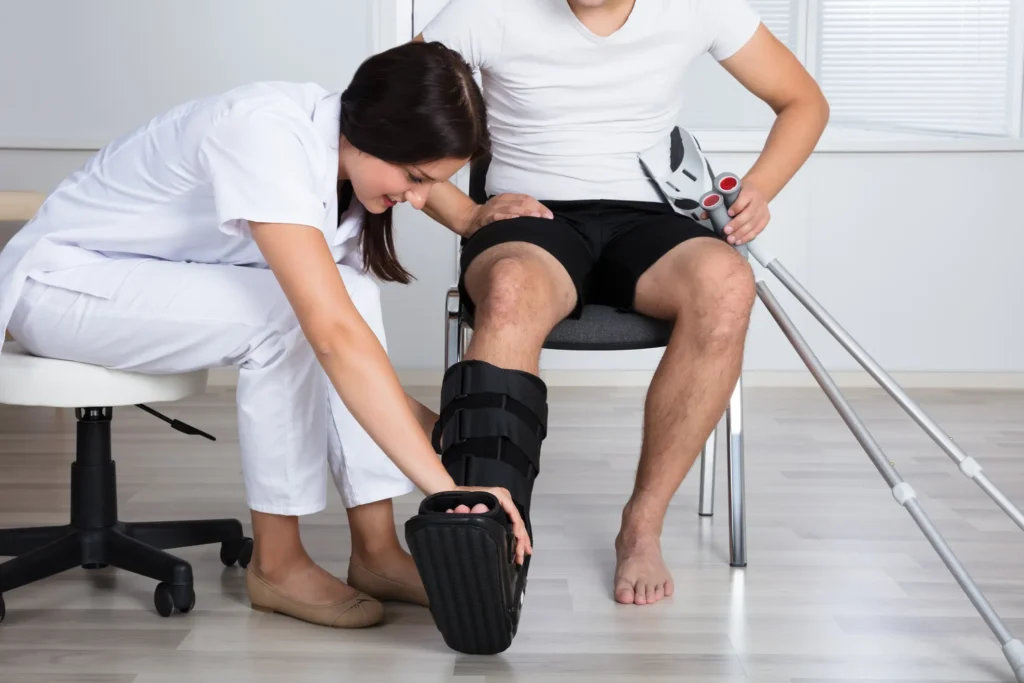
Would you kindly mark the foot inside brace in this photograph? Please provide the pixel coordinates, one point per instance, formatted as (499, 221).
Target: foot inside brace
(489, 433)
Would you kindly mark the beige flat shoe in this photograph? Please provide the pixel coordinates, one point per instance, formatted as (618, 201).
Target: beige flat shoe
(357, 612)
(362, 579)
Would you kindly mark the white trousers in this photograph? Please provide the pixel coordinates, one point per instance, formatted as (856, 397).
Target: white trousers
(168, 317)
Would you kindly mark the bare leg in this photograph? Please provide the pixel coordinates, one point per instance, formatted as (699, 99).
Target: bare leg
(375, 544)
(520, 293)
(279, 557)
(424, 415)
(708, 291)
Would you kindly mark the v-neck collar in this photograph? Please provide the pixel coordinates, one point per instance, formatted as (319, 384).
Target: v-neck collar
(620, 33)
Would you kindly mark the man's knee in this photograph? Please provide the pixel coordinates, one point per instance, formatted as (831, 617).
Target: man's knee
(518, 291)
(728, 295)
(716, 298)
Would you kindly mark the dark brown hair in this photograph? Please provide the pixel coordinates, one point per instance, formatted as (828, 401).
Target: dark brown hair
(411, 104)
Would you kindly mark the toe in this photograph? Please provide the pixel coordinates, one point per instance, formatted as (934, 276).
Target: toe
(659, 593)
(462, 509)
(624, 592)
(480, 508)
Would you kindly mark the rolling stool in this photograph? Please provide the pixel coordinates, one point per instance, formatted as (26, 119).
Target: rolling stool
(95, 538)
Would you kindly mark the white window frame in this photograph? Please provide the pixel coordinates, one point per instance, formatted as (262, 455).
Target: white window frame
(869, 139)
(392, 20)
(393, 25)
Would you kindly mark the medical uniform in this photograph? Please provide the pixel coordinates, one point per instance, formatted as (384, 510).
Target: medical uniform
(142, 260)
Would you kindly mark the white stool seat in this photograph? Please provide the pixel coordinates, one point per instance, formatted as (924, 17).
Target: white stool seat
(29, 380)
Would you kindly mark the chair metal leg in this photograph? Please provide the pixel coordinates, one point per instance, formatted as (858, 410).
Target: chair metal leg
(737, 501)
(464, 336)
(707, 476)
(452, 329)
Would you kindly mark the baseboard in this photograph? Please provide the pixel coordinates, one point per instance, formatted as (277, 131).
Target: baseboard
(751, 378)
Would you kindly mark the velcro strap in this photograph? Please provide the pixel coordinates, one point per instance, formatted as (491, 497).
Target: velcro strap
(477, 377)
(491, 472)
(479, 423)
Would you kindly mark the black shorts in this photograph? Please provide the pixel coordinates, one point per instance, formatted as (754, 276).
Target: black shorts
(605, 245)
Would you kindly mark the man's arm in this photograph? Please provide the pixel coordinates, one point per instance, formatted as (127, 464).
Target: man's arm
(767, 68)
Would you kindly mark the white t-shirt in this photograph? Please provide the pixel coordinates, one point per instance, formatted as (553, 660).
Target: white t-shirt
(569, 110)
(183, 187)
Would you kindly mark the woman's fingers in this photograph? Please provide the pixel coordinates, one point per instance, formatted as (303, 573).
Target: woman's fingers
(523, 545)
(506, 206)
(518, 528)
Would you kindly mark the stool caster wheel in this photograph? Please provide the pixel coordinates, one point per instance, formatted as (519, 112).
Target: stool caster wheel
(167, 598)
(239, 551)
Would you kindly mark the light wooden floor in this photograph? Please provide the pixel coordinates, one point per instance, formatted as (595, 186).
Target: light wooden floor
(841, 585)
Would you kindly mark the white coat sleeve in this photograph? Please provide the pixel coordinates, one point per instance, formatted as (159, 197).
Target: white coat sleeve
(262, 171)
(473, 28)
(727, 25)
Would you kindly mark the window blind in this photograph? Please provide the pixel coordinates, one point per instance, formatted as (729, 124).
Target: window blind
(780, 18)
(939, 65)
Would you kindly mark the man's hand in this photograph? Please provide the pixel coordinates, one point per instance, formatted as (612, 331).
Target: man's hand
(503, 206)
(750, 215)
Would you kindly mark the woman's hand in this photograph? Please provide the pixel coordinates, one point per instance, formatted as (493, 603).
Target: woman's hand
(523, 545)
(502, 207)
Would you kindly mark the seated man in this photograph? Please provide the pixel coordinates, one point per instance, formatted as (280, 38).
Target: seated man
(576, 89)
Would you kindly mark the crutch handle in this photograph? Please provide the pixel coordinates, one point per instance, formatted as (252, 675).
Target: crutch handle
(727, 187)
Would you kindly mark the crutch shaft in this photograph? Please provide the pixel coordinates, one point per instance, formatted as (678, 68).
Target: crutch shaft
(967, 465)
(902, 491)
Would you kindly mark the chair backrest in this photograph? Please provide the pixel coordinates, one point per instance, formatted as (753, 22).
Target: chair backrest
(478, 179)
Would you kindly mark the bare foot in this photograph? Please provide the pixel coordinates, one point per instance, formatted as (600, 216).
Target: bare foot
(641, 575)
(305, 581)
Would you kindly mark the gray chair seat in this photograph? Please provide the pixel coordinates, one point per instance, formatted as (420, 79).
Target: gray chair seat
(603, 328)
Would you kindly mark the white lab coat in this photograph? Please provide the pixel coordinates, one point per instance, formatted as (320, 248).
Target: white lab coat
(141, 260)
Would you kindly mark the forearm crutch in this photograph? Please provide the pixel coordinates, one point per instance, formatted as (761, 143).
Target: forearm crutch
(716, 203)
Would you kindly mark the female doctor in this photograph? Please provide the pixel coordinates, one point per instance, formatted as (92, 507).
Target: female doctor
(244, 229)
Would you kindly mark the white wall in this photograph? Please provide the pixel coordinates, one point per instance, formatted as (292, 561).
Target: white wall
(941, 230)
(80, 73)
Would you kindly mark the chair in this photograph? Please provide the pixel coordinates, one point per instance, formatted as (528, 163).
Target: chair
(95, 537)
(603, 328)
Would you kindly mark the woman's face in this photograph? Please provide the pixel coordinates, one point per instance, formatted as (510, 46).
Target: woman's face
(379, 185)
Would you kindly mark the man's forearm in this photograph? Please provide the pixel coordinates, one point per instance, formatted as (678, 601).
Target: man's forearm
(793, 137)
(451, 207)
